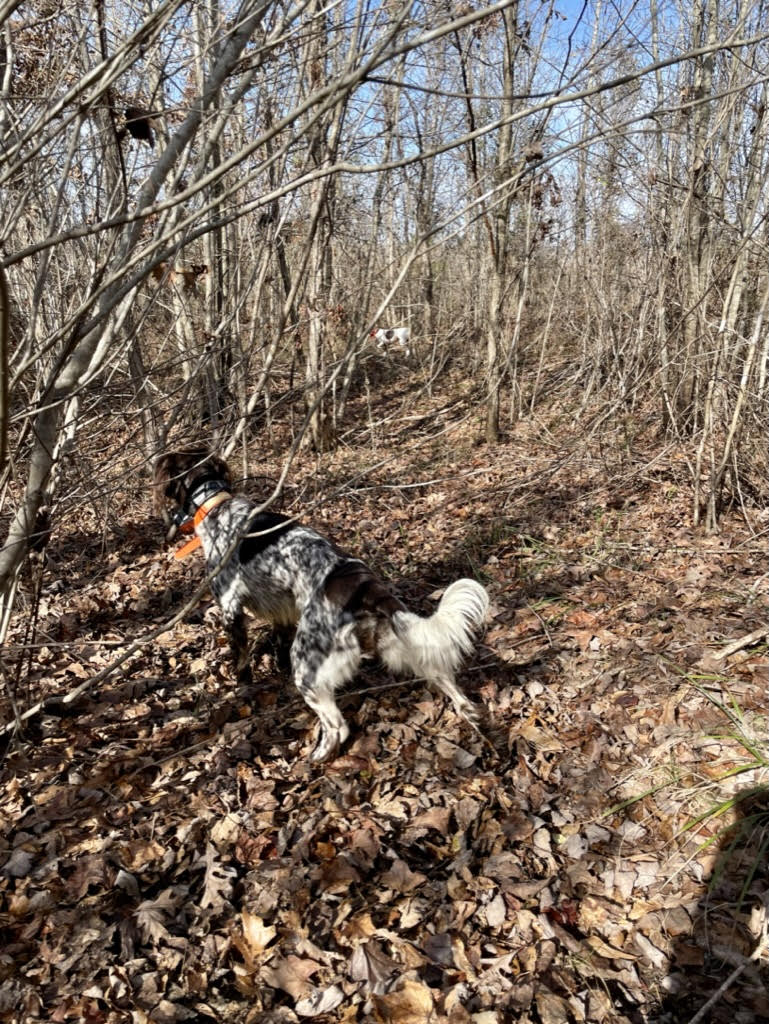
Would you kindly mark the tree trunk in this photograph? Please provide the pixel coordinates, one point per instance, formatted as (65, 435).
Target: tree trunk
(499, 240)
(697, 253)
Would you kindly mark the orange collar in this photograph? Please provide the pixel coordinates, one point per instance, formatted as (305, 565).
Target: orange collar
(192, 545)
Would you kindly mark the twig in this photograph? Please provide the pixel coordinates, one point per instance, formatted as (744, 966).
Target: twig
(744, 962)
(745, 641)
(700, 1014)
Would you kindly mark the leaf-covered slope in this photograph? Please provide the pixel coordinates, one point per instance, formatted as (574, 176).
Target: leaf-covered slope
(167, 852)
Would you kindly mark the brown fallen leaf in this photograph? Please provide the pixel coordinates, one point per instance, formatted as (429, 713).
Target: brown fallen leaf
(319, 1001)
(552, 1009)
(359, 927)
(412, 1004)
(436, 818)
(401, 878)
(605, 950)
(291, 974)
(649, 950)
(151, 916)
(337, 874)
(541, 739)
(90, 871)
(137, 853)
(496, 911)
(364, 844)
(218, 881)
(371, 965)
(253, 939)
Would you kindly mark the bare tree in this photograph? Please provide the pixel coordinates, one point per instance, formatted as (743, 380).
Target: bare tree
(270, 143)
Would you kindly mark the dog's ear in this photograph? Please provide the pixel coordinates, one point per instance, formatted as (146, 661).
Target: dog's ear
(168, 477)
(221, 468)
(160, 478)
(175, 472)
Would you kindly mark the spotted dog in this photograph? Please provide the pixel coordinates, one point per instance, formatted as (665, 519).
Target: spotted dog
(387, 337)
(289, 575)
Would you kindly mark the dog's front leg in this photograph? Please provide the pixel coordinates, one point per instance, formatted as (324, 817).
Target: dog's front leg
(235, 623)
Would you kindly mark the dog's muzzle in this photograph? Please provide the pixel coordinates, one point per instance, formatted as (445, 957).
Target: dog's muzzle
(181, 522)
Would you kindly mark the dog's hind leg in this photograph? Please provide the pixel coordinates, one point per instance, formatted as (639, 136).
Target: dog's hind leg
(463, 707)
(325, 655)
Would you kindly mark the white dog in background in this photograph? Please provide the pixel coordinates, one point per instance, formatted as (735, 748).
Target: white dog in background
(386, 337)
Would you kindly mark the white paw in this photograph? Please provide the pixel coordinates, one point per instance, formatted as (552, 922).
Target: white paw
(326, 746)
(470, 712)
(329, 741)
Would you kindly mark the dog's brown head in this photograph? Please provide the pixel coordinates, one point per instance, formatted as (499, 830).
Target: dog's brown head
(179, 475)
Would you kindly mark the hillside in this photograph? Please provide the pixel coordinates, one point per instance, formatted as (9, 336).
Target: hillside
(168, 853)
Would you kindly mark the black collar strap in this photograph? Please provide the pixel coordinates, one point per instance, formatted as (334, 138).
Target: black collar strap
(202, 491)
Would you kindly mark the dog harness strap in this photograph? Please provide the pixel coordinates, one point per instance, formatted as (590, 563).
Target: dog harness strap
(192, 545)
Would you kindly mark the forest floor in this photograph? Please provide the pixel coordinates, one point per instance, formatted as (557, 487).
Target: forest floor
(168, 853)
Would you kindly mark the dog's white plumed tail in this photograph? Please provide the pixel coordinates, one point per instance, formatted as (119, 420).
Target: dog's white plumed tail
(440, 642)
(433, 648)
